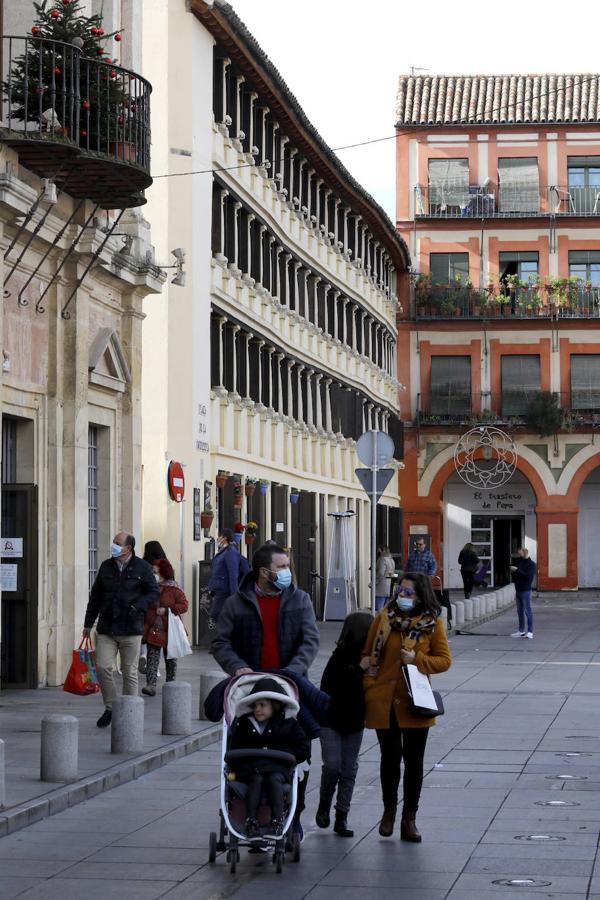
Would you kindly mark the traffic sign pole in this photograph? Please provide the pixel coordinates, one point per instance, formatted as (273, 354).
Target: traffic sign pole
(374, 470)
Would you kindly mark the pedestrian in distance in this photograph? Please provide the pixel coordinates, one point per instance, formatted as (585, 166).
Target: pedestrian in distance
(468, 562)
(156, 623)
(385, 569)
(152, 551)
(226, 572)
(421, 559)
(267, 727)
(408, 631)
(341, 737)
(268, 624)
(523, 575)
(123, 590)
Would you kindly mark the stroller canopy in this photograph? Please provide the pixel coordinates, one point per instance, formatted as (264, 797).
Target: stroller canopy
(244, 691)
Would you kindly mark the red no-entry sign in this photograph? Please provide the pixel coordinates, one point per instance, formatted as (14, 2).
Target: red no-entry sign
(176, 481)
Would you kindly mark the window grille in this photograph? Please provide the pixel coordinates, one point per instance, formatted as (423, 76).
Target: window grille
(92, 503)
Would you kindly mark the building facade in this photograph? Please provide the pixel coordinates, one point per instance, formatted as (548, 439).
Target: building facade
(289, 319)
(498, 198)
(71, 336)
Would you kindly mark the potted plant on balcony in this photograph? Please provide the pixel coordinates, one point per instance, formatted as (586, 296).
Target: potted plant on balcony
(222, 478)
(423, 292)
(250, 486)
(263, 485)
(238, 494)
(545, 415)
(238, 530)
(294, 495)
(206, 516)
(251, 532)
(42, 77)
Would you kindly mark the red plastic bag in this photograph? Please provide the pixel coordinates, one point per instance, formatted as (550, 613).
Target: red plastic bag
(82, 677)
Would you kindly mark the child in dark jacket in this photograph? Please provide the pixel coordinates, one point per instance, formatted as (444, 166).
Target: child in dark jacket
(266, 727)
(342, 736)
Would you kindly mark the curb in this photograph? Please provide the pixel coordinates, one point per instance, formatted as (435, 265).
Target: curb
(17, 817)
(465, 628)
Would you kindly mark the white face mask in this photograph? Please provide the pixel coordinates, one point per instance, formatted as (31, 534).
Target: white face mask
(157, 576)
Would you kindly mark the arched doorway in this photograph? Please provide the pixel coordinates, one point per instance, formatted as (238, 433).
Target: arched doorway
(588, 526)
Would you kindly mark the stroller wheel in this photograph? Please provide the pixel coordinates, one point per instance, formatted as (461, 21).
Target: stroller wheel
(212, 847)
(233, 857)
(278, 860)
(296, 847)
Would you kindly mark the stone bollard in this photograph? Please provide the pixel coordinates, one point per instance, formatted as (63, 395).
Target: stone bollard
(476, 607)
(458, 613)
(177, 708)
(208, 680)
(127, 727)
(492, 602)
(468, 605)
(453, 608)
(59, 748)
(2, 789)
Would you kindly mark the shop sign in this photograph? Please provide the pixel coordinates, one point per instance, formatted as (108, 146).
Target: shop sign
(499, 501)
(11, 547)
(8, 576)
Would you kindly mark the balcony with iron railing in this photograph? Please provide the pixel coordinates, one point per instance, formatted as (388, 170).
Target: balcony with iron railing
(459, 200)
(84, 123)
(461, 410)
(552, 298)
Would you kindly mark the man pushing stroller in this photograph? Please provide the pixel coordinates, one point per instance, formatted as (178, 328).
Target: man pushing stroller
(268, 724)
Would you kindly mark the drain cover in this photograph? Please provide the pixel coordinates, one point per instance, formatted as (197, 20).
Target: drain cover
(567, 777)
(556, 803)
(522, 882)
(539, 837)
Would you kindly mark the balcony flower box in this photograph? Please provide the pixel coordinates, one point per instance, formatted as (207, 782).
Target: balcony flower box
(222, 478)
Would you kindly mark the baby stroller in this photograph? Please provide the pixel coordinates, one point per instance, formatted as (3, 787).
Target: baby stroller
(482, 575)
(232, 814)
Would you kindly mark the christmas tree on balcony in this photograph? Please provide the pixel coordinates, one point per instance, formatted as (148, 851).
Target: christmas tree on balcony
(65, 82)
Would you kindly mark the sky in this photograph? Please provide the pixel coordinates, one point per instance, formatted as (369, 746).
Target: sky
(342, 58)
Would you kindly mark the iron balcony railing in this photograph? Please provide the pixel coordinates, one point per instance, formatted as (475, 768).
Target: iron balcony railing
(459, 200)
(52, 93)
(456, 407)
(560, 299)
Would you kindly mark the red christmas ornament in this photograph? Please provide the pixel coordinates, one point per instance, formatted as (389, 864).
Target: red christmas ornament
(118, 37)
(83, 133)
(113, 74)
(57, 71)
(120, 120)
(85, 104)
(101, 31)
(35, 30)
(100, 51)
(54, 14)
(94, 30)
(66, 2)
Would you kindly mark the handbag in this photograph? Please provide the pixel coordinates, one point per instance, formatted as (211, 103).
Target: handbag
(424, 702)
(178, 644)
(82, 677)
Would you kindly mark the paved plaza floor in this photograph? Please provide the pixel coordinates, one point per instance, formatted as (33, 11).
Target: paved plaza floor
(512, 793)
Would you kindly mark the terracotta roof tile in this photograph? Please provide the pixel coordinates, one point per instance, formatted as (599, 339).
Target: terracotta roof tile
(497, 99)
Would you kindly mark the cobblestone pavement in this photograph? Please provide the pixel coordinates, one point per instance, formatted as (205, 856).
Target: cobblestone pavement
(521, 731)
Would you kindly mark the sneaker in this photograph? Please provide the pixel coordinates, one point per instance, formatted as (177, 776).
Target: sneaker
(149, 691)
(518, 634)
(529, 634)
(252, 829)
(276, 828)
(105, 719)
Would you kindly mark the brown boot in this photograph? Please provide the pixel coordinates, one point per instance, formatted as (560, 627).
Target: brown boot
(408, 829)
(386, 826)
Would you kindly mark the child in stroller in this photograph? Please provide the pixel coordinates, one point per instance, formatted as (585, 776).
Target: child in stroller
(268, 724)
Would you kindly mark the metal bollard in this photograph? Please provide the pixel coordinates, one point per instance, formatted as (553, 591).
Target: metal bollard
(177, 708)
(208, 680)
(2, 788)
(59, 748)
(127, 726)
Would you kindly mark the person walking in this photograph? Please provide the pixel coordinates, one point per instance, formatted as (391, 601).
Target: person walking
(385, 569)
(152, 551)
(124, 588)
(408, 631)
(156, 623)
(420, 559)
(341, 737)
(523, 575)
(267, 625)
(468, 562)
(226, 572)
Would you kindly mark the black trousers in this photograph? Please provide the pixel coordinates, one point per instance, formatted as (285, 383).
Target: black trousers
(397, 745)
(272, 784)
(467, 578)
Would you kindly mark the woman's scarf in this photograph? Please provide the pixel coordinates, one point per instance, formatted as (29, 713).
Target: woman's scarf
(392, 620)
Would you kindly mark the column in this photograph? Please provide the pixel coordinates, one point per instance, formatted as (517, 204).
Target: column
(336, 323)
(309, 399)
(306, 297)
(292, 161)
(270, 273)
(222, 323)
(270, 352)
(264, 111)
(224, 196)
(300, 186)
(277, 272)
(326, 217)
(309, 202)
(249, 337)
(326, 289)
(363, 254)
(286, 294)
(239, 80)
(226, 64)
(261, 255)
(328, 422)
(236, 257)
(364, 415)
(356, 237)
(253, 96)
(249, 220)
(299, 370)
(260, 344)
(345, 303)
(315, 318)
(319, 411)
(282, 144)
(345, 236)
(354, 334)
(290, 391)
(296, 282)
(336, 204)
(280, 409)
(235, 329)
(274, 148)
(370, 416)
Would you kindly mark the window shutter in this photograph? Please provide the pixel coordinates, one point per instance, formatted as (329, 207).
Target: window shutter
(450, 385)
(585, 381)
(519, 185)
(448, 182)
(520, 383)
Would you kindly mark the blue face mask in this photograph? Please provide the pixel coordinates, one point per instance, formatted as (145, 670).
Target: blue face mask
(115, 550)
(284, 579)
(404, 604)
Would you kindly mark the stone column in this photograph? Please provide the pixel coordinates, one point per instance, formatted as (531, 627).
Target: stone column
(309, 202)
(292, 162)
(249, 336)
(335, 229)
(345, 303)
(319, 410)
(299, 370)
(239, 80)
(354, 333)
(296, 294)
(364, 415)
(300, 186)
(235, 329)
(260, 344)
(326, 289)
(347, 211)
(328, 420)
(270, 242)
(264, 111)
(261, 255)
(326, 220)
(249, 220)
(278, 291)
(290, 391)
(336, 323)
(273, 148)
(280, 409)
(222, 256)
(287, 293)
(127, 726)
(226, 64)
(310, 421)
(176, 707)
(222, 324)
(306, 273)
(253, 98)
(315, 319)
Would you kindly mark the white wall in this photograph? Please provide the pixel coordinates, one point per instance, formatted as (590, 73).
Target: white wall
(588, 526)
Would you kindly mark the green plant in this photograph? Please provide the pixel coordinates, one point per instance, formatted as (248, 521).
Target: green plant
(545, 415)
(208, 510)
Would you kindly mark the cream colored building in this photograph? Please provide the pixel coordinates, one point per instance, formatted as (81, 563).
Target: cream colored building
(280, 351)
(71, 340)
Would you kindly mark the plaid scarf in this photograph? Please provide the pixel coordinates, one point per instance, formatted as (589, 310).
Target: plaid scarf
(392, 620)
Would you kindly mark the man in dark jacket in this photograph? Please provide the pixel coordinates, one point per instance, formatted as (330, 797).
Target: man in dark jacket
(226, 572)
(124, 588)
(268, 625)
(523, 575)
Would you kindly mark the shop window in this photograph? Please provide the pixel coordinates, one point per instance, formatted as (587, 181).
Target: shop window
(520, 383)
(446, 268)
(585, 381)
(450, 387)
(519, 183)
(448, 186)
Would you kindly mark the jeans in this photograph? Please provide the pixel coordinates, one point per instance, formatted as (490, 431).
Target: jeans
(272, 784)
(399, 744)
(152, 665)
(380, 602)
(467, 578)
(107, 648)
(524, 610)
(340, 765)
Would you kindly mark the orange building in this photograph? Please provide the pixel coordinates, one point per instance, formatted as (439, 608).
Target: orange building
(498, 199)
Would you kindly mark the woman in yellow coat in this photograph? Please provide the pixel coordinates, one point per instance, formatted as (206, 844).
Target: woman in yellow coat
(408, 630)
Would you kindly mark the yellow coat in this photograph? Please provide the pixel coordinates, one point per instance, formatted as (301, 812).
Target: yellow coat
(388, 688)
